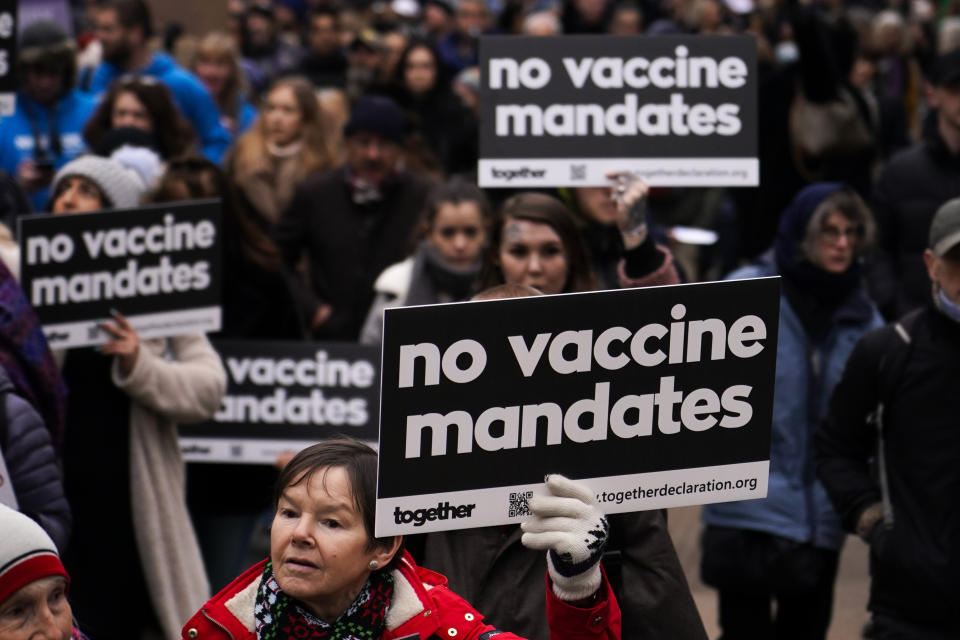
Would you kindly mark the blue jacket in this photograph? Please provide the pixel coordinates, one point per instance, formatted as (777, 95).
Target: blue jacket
(32, 463)
(248, 115)
(17, 139)
(190, 95)
(797, 506)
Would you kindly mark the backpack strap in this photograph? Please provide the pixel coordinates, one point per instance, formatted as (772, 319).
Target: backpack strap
(890, 375)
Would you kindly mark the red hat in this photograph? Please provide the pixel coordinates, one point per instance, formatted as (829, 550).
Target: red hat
(26, 553)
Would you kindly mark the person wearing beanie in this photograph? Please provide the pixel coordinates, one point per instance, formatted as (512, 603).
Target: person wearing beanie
(33, 583)
(122, 469)
(785, 548)
(899, 491)
(92, 183)
(43, 133)
(352, 221)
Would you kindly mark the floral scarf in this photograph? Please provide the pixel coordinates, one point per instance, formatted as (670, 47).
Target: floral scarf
(279, 617)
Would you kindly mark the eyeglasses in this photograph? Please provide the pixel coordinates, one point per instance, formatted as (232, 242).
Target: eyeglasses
(129, 79)
(833, 234)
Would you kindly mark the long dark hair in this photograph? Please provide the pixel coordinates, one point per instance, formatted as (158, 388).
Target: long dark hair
(441, 80)
(194, 177)
(541, 209)
(174, 134)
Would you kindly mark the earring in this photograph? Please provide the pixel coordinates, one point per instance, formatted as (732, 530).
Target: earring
(373, 565)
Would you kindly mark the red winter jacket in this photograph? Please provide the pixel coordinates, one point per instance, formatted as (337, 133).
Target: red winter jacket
(422, 607)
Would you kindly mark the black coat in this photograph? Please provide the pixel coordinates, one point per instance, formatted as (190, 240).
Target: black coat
(915, 565)
(323, 72)
(910, 190)
(347, 245)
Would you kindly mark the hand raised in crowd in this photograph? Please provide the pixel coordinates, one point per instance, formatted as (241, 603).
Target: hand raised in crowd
(568, 524)
(321, 315)
(33, 176)
(125, 344)
(629, 193)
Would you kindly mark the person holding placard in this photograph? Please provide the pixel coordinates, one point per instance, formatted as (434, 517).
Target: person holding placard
(327, 576)
(535, 243)
(785, 548)
(91, 183)
(122, 461)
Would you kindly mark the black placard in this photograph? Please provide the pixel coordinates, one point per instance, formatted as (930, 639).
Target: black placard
(283, 396)
(158, 265)
(656, 397)
(564, 111)
(8, 57)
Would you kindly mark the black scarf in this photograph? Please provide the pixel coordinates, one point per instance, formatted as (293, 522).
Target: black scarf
(433, 277)
(280, 617)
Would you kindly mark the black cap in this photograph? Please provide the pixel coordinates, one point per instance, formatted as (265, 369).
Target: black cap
(367, 38)
(946, 70)
(43, 37)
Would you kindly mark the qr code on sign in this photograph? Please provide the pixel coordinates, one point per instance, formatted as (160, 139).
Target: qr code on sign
(519, 504)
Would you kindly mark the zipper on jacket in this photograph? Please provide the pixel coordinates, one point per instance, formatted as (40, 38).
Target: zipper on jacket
(225, 630)
(814, 380)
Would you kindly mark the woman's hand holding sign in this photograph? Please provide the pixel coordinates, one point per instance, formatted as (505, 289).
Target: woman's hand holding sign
(125, 344)
(568, 524)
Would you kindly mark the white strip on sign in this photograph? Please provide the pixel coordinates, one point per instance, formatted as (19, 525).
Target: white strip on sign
(150, 325)
(617, 494)
(248, 451)
(584, 172)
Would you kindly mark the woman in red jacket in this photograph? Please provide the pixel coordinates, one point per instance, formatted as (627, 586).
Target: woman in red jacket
(329, 577)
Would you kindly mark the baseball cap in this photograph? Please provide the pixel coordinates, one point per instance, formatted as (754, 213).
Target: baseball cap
(945, 228)
(367, 38)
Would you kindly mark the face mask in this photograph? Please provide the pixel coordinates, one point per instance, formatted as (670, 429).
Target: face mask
(950, 308)
(786, 52)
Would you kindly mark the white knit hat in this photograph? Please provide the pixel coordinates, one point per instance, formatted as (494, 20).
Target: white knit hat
(26, 553)
(120, 184)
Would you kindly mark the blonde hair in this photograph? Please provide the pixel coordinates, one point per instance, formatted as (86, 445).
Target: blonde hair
(317, 153)
(218, 46)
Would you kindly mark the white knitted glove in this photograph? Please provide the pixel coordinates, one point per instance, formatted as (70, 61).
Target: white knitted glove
(569, 525)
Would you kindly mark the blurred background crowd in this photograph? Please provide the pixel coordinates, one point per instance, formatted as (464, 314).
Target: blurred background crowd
(341, 137)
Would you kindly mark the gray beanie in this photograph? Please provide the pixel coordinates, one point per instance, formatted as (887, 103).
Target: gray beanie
(121, 186)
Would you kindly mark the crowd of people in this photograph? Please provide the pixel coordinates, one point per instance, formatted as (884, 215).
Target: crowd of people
(341, 139)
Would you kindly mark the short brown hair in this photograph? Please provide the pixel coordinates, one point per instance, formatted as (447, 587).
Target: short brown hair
(360, 463)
